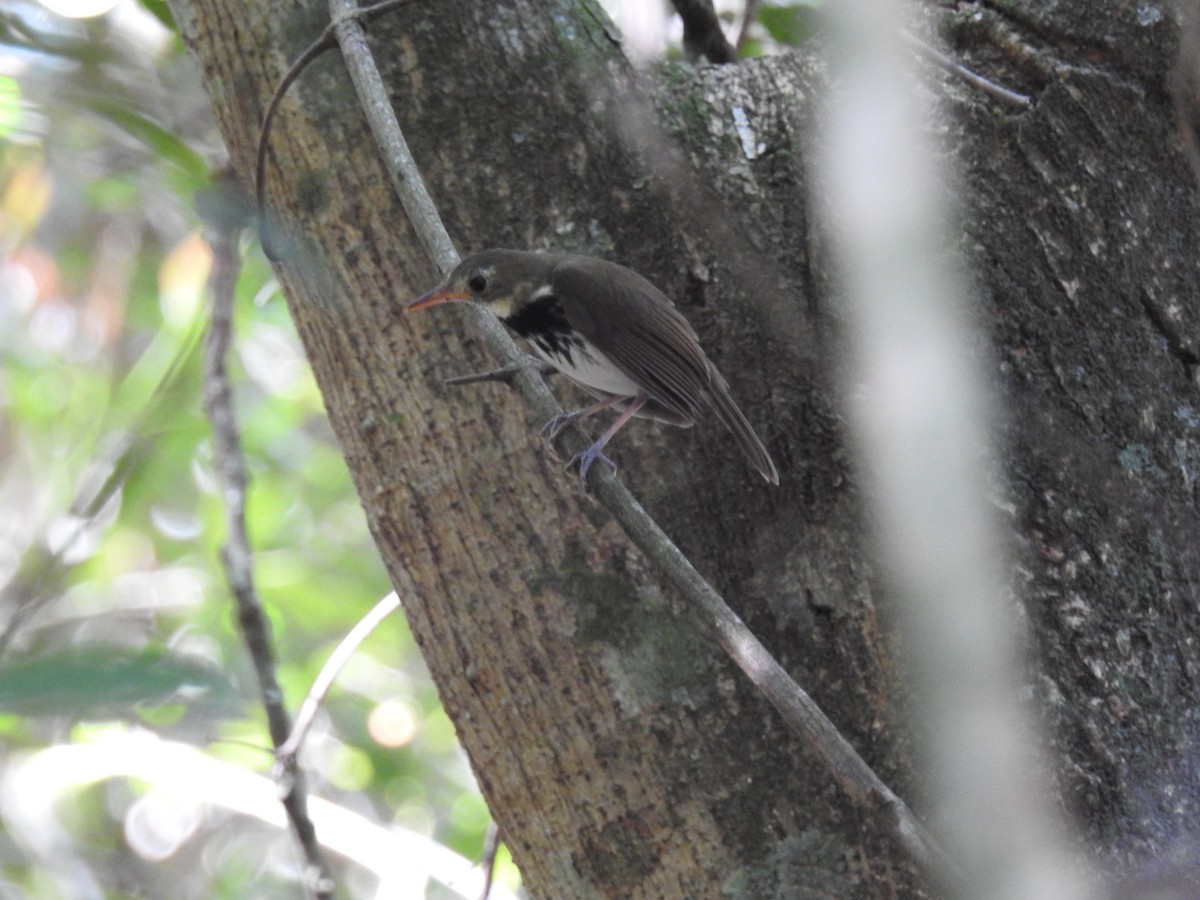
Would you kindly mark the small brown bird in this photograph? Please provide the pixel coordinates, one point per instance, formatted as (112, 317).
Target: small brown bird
(610, 331)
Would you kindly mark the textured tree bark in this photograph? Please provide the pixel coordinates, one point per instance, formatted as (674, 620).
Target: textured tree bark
(619, 753)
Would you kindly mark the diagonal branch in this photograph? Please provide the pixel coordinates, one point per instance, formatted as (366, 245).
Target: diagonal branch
(798, 709)
(225, 225)
(287, 751)
(703, 36)
(999, 91)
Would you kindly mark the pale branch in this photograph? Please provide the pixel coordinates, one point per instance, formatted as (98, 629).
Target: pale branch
(798, 709)
(954, 67)
(224, 228)
(286, 753)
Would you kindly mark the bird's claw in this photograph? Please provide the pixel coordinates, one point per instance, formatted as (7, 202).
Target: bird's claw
(585, 460)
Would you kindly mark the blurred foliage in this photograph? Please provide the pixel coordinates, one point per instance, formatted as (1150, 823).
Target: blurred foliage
(785, 25)
(754, 27)
(114, 611)
(114, 614)
(90, 681)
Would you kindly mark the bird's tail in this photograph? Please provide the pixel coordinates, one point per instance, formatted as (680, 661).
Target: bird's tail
(752, 448)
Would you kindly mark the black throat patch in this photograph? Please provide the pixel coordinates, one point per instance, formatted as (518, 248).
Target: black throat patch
(543, 322)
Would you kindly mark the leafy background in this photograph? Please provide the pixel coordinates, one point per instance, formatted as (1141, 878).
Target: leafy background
(120, 657)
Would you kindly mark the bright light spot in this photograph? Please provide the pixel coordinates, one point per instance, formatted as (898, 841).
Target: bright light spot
(18, 287)
(52, 327)
(183, 278)
(179, 524)
(272, 357)
(161, 822)
(350, 769)
(10, 104)
(79, 9)
(69, 536)
(643, 25)
(392, 724)
(32, 785)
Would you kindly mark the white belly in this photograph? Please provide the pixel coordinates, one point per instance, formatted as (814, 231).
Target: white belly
(591, 369)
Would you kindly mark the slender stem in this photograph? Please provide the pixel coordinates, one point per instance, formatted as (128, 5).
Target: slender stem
(323, 42)
(491, 847)
(236, 556)
(329, 672)
(956, 68)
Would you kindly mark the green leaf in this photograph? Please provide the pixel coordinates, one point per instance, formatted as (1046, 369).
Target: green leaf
(165, 145)
(160, 11)
(751, 48)
(10, 104)
(789, 25)
(104, 683)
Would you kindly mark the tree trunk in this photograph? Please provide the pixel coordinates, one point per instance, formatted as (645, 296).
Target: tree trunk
(621, 755)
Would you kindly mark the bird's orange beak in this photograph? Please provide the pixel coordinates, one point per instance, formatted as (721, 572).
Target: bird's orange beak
(434, 297)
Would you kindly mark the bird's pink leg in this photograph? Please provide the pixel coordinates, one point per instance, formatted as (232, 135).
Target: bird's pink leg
(596, 451)
(555, 426)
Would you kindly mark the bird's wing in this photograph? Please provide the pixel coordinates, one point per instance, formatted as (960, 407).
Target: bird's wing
(633, 323)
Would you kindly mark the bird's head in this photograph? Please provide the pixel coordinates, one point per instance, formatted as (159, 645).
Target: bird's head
(500, 280)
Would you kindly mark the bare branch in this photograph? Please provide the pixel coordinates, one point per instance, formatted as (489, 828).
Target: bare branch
(491, 847)
(703, 36)
(798, 709)
(224, 227)
(289, 749)
(974, 78)
(749, 11)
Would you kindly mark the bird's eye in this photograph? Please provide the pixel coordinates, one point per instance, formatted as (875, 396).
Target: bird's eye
(477, 283)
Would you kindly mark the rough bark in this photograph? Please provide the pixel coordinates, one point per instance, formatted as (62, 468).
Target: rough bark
(1081, 226)
(619, 753)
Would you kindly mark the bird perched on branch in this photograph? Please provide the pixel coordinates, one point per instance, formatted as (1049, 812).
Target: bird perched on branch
(610, 331)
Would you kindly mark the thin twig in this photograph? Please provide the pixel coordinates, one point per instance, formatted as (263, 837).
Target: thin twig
(491, 847)
(749, 11)
(504, 374)
(323, 42)
(956, 68)
(703, 36)
(236, 555)
(289, 749)
(797, 708)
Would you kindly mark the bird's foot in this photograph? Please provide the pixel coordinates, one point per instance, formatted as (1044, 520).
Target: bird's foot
(587, 457)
